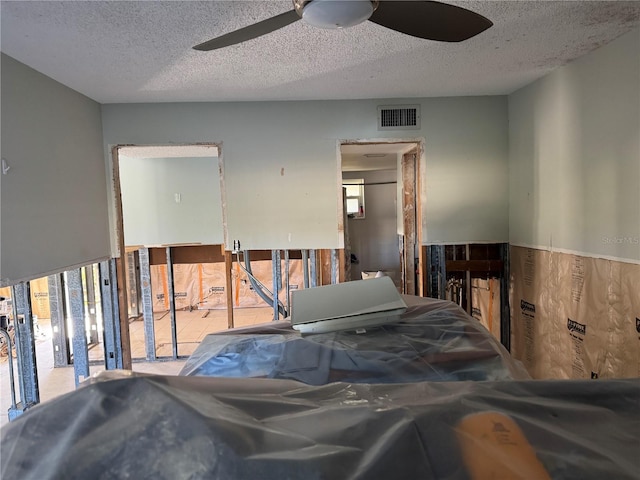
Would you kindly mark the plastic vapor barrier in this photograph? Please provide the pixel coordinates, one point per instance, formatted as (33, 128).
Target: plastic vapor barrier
(123, 425)
(575, 317)
(433, 341)
(203, 285)
(485, 301)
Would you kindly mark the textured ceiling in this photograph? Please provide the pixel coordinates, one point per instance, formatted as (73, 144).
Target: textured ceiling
(128, 51)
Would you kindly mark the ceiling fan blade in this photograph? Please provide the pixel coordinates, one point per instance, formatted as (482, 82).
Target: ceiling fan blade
(430, 20)
(250, 32)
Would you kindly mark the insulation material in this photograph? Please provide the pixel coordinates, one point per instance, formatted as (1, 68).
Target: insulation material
(204, 285)
(245, 296)
(39, 299)
(5, 305)
(485, 301)
(186, 287)
(582, 300)
(627, 345)
(212, 285)
(159, 288)
(573, 316)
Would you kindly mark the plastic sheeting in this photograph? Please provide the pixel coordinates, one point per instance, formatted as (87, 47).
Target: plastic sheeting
(160, 427)
(573, 316)
(485, 299)
(203, 285)
(434, 341)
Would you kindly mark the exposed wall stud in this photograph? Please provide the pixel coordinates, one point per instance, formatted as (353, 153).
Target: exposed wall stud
(172, 305)
(60, 340)
(313, 260)
(277, 282)
(305, 268)
(91, 305)
(467, 289)
(134, 294)
(25, 349)
(505, 308)
(286, 281)
(437, 271)
(335, 266)
(228, 267)
(147, 305)
(79, 339)
(111, 325)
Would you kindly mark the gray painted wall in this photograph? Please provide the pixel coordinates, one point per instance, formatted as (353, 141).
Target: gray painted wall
(151, 214)
(374, 239)
(574, 155)
(282, 168)
(53, 208)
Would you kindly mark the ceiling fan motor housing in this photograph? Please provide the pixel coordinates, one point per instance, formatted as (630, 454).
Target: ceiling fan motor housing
(335, 13)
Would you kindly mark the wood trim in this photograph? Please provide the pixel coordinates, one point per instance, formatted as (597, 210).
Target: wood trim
(409, 221)
(191, 254)
(421, 288)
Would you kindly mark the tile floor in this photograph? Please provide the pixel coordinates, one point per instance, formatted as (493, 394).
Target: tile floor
(192, 327)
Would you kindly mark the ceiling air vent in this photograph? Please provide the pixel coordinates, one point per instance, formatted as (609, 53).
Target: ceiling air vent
(399, 117)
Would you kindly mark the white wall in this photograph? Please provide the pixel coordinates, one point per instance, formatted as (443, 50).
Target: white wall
(151, 214)
(282, 172)
(374, 239)
(53, 210)
(574, 155)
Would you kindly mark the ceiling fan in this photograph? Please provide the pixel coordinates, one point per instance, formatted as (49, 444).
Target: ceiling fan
(423, 19)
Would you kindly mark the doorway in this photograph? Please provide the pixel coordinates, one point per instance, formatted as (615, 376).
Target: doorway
(381, 202)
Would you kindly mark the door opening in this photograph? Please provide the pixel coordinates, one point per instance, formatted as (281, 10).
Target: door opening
(381, 203)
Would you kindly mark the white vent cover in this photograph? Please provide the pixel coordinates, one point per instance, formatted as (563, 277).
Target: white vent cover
(399, 117)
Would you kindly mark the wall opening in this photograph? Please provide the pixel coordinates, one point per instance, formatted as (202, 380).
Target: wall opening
(377, 239)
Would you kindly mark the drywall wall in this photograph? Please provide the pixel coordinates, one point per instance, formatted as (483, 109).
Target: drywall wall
(171, 200)
(54, 211)
(282, 171)
(373, 238)
(574, 155)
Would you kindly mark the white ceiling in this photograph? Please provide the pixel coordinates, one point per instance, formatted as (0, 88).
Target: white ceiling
(126, 51)
(377, 156)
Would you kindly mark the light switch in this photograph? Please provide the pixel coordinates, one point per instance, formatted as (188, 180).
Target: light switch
(177, 197)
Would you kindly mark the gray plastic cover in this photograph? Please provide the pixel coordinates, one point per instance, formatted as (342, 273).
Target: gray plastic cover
(435, 340)
(122, 425)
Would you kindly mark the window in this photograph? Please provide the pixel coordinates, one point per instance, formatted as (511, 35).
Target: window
(354, 197)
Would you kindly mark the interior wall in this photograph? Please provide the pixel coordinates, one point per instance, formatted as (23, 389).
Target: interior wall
(574, 163)
(282, 171)
(373, 238)
(151, 213)
(574, 155)
(54, 212)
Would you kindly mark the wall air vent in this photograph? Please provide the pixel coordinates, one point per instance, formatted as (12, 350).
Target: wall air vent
(399, 117)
